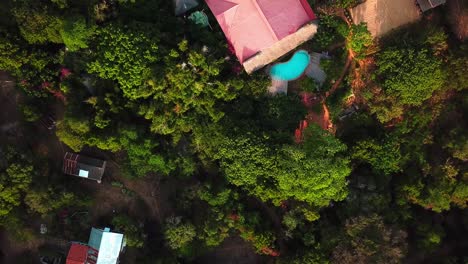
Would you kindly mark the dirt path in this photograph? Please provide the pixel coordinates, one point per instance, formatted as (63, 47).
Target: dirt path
(310, 100)
(233, 250)
(9, 116)
(322, 119)
(148, 190)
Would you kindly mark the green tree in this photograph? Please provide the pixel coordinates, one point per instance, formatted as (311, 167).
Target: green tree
(31, 65)
(139, 148)
(190, 89)
(37, 25)
(308, 256)
(332, 29)
(359, 39)
(435, 182)
(76, 33)
(60, 3)
(13, 56)
(367, 239)
(429, 235)
(384, 157)
(72, 132)
(458, 69)
(30, 112)
(132, 233)
(408, 75)
(313, 173)
(46, 201)
(14, 181)
(437, 194)
(126, 54)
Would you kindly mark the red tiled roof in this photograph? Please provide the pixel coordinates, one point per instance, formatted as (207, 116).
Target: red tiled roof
(77, 254)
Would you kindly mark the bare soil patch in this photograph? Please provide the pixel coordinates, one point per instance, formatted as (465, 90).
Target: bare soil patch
(458, 17)
(234, 250)
(382, 16)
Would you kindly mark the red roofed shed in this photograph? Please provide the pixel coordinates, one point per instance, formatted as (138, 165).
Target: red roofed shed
(83, 166)
(251, 26)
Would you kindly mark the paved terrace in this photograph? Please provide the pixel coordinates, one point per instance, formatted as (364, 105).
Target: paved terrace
(281, 47)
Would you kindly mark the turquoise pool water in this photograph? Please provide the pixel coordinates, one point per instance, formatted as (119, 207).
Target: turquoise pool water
(291, 69)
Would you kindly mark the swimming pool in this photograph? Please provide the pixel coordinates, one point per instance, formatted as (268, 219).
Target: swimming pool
(291, 69)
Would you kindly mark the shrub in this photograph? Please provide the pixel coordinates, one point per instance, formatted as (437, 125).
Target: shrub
(179, 235)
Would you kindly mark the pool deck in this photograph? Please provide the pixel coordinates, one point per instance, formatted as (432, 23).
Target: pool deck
(278, 86)
(281, 47)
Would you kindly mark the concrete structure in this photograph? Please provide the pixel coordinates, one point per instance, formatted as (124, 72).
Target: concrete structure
(314, 71)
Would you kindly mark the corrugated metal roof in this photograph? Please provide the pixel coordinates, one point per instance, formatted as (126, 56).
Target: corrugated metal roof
(74, 163)
(109, 245)
(429, 4)
(182, 6)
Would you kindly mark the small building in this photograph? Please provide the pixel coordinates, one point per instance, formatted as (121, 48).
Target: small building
(83, 166)
(104, 247)
(261, 31)
(429, 4)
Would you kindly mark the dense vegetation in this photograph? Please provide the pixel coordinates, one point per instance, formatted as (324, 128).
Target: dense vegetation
(199, 155)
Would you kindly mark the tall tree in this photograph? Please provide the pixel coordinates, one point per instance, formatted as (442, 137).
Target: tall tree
(367, 239)
(126, 54)
(313, 173)
(14, 181)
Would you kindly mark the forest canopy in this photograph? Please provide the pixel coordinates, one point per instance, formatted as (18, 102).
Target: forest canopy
(204, 164)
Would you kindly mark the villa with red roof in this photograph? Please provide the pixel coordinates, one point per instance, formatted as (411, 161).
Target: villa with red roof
(261, 31)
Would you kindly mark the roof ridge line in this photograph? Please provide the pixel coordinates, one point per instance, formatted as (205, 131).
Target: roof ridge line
(265, 20)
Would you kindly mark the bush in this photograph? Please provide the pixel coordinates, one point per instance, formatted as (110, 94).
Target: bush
(37, 26)
(46, 201)
(359, 39)
(30, 113)
(179, 235)
(331, 30)
(347, 3)
(308, 85)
